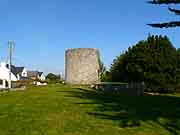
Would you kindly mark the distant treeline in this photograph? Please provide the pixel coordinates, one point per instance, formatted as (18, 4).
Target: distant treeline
(154, 61)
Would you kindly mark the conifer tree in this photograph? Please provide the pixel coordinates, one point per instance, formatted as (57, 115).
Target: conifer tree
(173, 10)
(154, 61)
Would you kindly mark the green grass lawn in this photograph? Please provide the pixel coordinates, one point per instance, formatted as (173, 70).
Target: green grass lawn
(65, 110)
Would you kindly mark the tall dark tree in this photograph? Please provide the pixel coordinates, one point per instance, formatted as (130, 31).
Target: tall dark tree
(154, 61)
(173, 10)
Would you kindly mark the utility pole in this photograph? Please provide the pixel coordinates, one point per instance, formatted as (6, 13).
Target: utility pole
(10, 46)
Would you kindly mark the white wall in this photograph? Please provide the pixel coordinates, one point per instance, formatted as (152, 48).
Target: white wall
(43, 77)
(3, 85)
(4, 73)
(24, 72)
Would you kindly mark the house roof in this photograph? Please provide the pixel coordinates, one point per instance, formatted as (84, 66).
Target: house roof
(15, 70)
(31, 73)
(40, 73)
(34, 73)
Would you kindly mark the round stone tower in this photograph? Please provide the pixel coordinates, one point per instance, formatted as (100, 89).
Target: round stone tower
(82, 66)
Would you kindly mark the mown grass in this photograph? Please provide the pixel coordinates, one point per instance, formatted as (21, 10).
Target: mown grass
(65, 110)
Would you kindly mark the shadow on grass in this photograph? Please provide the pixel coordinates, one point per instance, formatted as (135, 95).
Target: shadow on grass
(131, 111)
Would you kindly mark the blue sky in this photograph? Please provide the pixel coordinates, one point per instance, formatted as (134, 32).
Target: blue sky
(44, 29)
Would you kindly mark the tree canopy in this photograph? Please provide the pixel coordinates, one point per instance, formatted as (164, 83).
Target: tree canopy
(173, 10)
(154, 61)
(53, 77)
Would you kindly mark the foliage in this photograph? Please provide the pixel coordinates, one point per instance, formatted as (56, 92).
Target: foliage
(22, 83)
(53, 78)
(102, 71)
(175, 11)
(154, 61)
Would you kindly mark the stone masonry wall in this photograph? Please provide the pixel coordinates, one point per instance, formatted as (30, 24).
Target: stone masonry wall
(82, 66)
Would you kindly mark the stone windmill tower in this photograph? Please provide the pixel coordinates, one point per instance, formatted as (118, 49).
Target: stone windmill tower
(82, 66)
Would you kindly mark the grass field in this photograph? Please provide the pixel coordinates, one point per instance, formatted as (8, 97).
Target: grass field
(65, 110)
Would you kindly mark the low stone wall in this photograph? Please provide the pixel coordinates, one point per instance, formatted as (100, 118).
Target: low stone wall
(122, 88)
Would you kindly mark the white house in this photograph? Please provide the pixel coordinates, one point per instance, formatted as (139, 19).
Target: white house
(42, 76)
(36, 75)
(4, 73)
(17, 73)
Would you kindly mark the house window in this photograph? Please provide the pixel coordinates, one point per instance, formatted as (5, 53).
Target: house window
(1, 82)
(6, 84)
